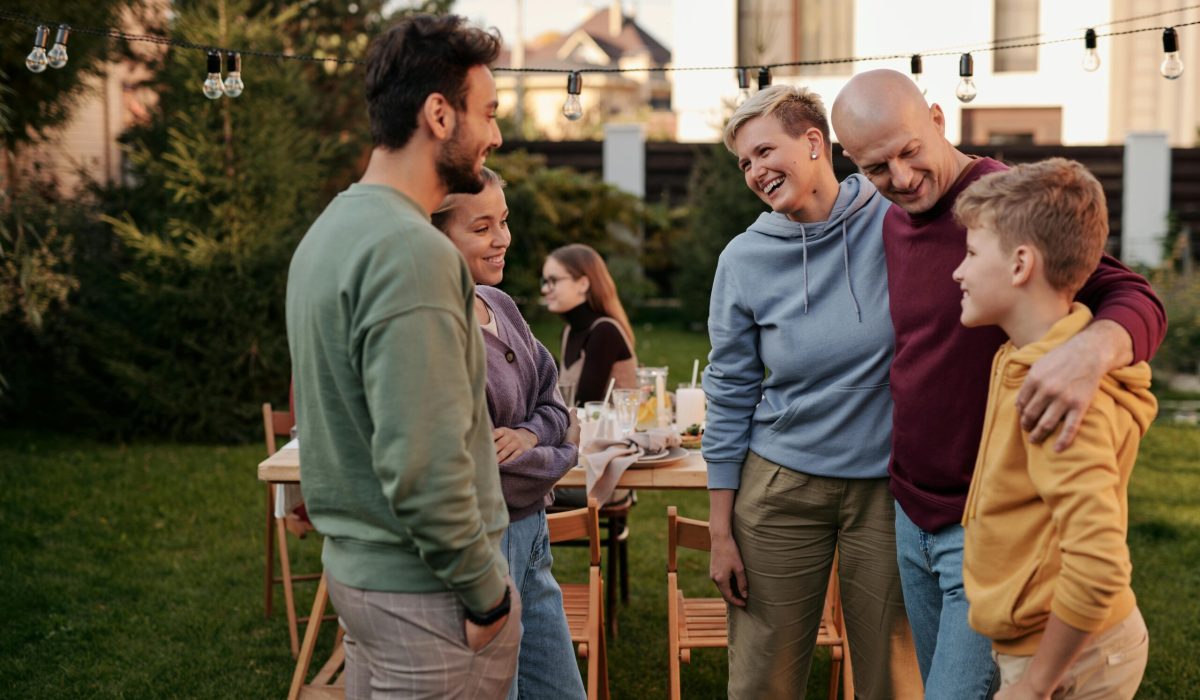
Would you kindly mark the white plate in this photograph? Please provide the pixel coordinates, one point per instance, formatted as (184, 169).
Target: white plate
(674, 455)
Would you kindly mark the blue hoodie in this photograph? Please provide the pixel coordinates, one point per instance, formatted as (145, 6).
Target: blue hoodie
(801, 345)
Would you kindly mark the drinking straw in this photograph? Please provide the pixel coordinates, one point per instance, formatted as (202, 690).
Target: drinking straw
(695, 369)
(608, 393)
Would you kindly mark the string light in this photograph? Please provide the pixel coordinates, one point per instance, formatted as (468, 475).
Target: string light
(917, 67)
(573, 108)
(1171, 67)
(36, 60)
(233, 81)
(57, 58)
(966, 90)
(1091, 59)
(212, 84)
(743, 78)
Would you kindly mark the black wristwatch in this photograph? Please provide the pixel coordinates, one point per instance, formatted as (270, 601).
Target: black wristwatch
(494, 614)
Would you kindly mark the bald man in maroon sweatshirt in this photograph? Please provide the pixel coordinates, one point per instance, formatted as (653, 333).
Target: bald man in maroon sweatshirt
(940, 373)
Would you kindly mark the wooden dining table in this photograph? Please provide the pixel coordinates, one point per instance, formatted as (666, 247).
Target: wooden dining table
(283, 467)
(691, 472)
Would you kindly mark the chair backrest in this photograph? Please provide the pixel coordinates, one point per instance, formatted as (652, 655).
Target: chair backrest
(582, 523)
(275, 424)
(687, 533)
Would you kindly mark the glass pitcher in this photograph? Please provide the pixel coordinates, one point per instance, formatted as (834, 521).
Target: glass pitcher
(657, 402)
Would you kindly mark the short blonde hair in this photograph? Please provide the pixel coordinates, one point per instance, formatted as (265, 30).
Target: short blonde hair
(1055, 205)
(796, 108)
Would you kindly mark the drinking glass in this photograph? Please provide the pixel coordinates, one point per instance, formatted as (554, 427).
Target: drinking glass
(566, 390)
(626, 403)
(593, 411)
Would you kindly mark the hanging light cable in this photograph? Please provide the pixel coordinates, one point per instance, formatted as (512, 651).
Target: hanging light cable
(966, 90)
(916, 65)
(57, 58)
(36, 60)
(1091, 59)
(764, 77)
(573, 109)
(1171, 67)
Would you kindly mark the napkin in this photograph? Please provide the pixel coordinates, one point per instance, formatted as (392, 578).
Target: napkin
(605, 460)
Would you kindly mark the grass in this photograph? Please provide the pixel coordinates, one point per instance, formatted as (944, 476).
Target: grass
(135, 571)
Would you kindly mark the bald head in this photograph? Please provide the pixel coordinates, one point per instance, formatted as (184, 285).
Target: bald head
(877, 98)
(896, 139)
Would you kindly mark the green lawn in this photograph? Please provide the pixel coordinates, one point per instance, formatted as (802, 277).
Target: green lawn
(135, 571)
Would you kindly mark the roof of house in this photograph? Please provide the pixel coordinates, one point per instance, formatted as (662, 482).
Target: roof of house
(631, 40)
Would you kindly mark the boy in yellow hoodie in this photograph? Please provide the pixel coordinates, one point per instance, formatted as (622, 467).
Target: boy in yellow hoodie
(1045, 563)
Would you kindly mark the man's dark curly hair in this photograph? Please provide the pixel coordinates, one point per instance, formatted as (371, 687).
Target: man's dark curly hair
(415, 58)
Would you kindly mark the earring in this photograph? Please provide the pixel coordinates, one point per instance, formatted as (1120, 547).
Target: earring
(813, 155)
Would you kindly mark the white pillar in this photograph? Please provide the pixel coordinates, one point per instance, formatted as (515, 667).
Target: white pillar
(625, 157)
(1146, 197)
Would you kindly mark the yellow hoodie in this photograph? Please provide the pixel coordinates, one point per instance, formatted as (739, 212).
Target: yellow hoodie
(1045, 531)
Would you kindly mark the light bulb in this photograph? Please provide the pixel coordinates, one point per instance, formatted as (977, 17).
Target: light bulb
(233, 81)
(58, 54)
(764, 78)
(36, 60)
(1091, 59)
(966, 90)
(1171, 67)
(212, 84)
(573, 108)
(743, 79)
(916, 66)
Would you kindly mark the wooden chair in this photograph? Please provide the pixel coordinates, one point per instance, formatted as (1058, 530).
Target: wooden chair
(695, 623)
(279, 423)
(614, 528)
(328, 684)
(584, 602)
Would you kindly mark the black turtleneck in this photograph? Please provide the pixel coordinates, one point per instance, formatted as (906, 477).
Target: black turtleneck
(601, 347)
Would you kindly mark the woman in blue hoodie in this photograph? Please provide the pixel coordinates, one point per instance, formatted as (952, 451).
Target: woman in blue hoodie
(799, 409)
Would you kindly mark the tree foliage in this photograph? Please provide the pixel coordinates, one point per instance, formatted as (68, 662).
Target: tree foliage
(720, 206)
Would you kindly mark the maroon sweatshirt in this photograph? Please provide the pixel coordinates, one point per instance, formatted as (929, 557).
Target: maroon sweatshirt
(940, 372)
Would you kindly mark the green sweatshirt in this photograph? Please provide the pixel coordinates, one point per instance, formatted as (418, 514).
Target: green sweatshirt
(397, 463)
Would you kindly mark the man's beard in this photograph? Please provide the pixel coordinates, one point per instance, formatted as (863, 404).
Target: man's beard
(456, 167)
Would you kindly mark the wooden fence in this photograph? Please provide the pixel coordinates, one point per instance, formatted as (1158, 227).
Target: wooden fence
(669, 166)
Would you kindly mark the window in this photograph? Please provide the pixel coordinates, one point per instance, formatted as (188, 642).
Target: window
(1015, 19)
(783, 31)
(1012, 126)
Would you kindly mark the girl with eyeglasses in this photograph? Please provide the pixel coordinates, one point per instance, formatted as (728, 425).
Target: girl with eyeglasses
(597, 343)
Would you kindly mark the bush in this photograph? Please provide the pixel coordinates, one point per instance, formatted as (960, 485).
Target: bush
(720, 206)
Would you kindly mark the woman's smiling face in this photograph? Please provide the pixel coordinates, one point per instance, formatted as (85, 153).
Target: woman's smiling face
(479, 229)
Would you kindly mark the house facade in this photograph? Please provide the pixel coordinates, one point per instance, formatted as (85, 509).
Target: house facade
(1031, 95)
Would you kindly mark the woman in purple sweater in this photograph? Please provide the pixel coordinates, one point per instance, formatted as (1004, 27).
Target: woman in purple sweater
(535, 440)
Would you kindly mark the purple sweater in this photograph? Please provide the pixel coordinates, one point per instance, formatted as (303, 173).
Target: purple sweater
(941, 369)
(522, 392)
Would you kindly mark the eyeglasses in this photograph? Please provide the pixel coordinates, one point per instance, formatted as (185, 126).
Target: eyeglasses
(549, 282)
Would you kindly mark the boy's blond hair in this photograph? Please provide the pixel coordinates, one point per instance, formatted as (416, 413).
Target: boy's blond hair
(1055, 205)
(796, 108)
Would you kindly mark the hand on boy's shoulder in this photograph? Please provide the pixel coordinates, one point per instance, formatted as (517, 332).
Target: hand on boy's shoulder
(1058, 389)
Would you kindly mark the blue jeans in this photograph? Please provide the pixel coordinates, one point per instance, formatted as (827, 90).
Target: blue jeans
(546, 667)
(955, 660)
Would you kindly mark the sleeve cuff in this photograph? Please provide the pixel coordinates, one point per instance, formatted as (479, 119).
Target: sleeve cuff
(724, 475)
(482, 596)
(1135, 325)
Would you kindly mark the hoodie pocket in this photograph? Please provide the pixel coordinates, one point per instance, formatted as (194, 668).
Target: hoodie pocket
(839, 421)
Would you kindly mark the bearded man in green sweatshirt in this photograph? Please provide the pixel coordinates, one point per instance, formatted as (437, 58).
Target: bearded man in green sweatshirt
(398, 467)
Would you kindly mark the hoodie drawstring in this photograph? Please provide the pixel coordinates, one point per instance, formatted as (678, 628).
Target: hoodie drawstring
(849, 285)
(804, 245)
